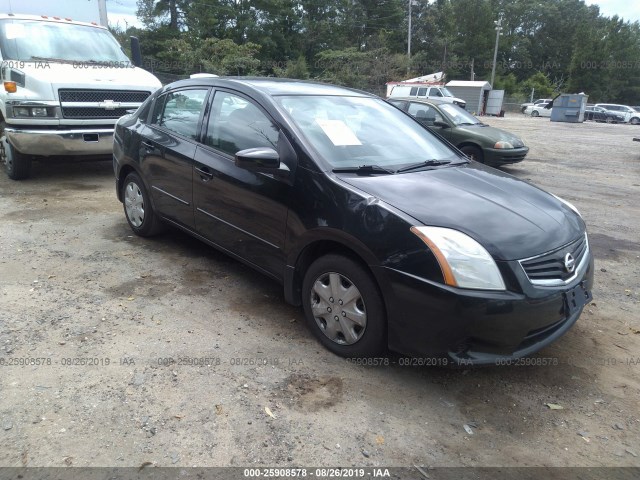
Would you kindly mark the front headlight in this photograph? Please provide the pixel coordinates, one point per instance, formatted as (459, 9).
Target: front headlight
(503, 144)
(568, 204)
(463, 261)
(21, 112)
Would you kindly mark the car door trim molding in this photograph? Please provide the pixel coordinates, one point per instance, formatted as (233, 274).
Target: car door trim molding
(184, 202)
(238, 228)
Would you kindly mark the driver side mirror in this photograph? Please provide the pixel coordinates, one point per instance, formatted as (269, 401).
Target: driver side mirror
(440, 124)
(261, 159)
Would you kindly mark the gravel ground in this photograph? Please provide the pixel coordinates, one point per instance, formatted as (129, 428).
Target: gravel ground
(165, 352)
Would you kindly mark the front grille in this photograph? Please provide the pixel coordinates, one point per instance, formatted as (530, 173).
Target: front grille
(92, 112)
(129, 96)
(549, 268)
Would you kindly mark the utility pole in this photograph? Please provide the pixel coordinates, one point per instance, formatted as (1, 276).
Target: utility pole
(495, 51)
(409, 40)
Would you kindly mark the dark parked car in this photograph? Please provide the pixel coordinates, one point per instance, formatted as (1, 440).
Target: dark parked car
(599, 114)
(386, 235)
(477, 140)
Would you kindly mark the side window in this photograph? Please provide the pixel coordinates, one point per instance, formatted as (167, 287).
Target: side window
(237, 124)
(181, 111)
(413, 92)
(157, 109)
(143, 116)
(422, 92)
(435, 92)
(398, 103)
(424, 113)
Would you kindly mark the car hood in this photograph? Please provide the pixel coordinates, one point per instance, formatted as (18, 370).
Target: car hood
(511, 218)
(490, 134)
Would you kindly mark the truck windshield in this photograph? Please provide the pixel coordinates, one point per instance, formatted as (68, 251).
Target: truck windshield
(34, 40)
(446, 92)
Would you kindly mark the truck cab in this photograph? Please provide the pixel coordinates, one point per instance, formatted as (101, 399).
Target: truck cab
(64, 85)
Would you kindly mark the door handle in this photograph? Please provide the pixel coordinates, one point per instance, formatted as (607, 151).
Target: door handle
(205, 173)
(148, 145)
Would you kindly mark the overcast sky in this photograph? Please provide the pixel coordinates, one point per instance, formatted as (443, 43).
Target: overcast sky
(124, 11)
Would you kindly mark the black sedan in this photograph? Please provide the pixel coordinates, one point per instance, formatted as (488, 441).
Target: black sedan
(599, 114)
(387, 236)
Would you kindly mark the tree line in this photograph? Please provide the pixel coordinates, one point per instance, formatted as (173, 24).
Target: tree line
(550, 46)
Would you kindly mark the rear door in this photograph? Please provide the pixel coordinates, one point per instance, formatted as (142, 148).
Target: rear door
(244, 212)
(168, 147)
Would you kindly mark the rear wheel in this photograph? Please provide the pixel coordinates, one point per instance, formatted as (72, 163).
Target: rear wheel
(138, 209)
(17, 165)
(343, 307)
(473, 152)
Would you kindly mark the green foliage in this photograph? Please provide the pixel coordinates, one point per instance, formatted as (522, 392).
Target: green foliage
(508, 83)
(295, 69)
(540, 83)
(549, 45)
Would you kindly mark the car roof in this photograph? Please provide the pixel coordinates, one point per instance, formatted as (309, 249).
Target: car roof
(270, 86)
(420, 100)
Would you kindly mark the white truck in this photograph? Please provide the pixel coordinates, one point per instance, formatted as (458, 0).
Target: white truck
(65, 81)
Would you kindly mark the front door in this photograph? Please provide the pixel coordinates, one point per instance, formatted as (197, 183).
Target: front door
(244, 212)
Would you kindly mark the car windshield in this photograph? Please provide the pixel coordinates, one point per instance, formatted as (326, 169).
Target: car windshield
(458, 115)
(358, 131)
(27, 40)
(446, 92)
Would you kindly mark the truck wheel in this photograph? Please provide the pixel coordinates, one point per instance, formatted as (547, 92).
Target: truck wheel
(18, 165)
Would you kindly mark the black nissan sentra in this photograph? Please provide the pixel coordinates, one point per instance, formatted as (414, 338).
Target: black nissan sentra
(385, 234)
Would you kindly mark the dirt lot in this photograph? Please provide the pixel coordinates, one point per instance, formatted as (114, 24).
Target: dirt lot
(105, 312)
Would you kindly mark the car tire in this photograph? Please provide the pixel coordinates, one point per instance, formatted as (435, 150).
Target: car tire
(343, 307)
(138, 209)
(473, 152)
(17, 164)
(634, 121)
(535, 113)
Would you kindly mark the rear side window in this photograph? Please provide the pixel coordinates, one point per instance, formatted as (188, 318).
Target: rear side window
(180, 111)
(422, 92)
(237, 124)
(414, 91)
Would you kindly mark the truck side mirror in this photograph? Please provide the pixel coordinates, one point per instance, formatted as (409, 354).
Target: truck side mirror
(136, 53)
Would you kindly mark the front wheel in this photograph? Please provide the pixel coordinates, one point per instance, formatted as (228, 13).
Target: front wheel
(634, 121)
(344, 308)
(17, 165)
(138, 209)
(474, 153)
(535, 113)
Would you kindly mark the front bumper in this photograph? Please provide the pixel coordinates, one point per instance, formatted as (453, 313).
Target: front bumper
(504, 156)
(47, 142)
(477, 327)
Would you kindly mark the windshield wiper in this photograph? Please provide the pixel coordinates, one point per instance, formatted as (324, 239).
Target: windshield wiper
(469, 123)
(426, 163)
(363, 170)
(50, 59)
